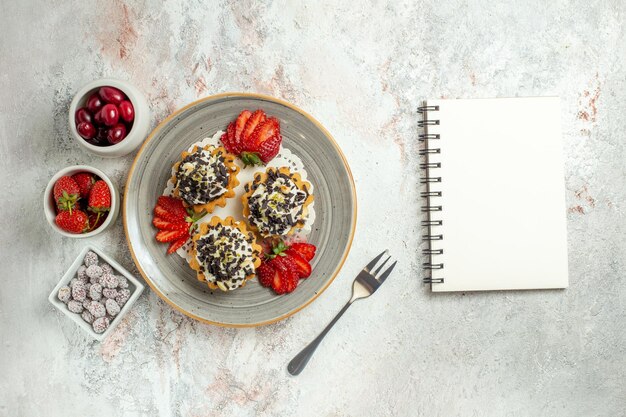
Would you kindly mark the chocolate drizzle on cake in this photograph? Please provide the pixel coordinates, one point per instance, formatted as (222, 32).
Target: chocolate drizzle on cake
(202, 177)
(276, 204)
(226, 256)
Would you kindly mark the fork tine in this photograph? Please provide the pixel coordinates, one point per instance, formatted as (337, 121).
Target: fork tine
(381, 266)
(374, 261)
(385, 274)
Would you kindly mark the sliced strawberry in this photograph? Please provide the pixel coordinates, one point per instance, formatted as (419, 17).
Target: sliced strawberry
(302, 265)
(228, 139)
(173, 205)
(163, 224)
(171, 235)
(255, 119)
(269, 149)
(263, 132)
(266, 274)
(175, 245)
(240, 124)
(287, 272)
(306, 250)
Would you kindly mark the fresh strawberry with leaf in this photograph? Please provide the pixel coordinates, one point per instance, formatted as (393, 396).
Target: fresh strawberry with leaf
(284, 266)
(85, 181)
(254, 137)
(175, 222)
(66, 193)
(74, 221)
(263, 144)
(99, 201)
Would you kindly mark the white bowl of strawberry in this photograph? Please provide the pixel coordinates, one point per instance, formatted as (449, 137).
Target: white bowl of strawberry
(109, 117)
(81, 201)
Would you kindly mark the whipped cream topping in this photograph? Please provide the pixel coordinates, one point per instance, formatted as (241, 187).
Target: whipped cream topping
(277, 204)
(202, 177)
(225, 256)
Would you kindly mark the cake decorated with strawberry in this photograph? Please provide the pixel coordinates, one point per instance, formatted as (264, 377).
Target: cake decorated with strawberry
(225, 254)
(205, 178)
(276, 202)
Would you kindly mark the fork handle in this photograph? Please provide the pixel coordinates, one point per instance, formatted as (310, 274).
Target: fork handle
(298, 363)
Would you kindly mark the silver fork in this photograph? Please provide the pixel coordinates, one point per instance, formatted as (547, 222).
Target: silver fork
(365, 284)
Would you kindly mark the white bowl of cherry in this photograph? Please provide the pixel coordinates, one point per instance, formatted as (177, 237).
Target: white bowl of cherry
(109, 117)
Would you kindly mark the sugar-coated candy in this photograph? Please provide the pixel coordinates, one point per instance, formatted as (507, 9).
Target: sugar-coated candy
(109, 292)
(90, 259)
(64, 294)
(122, 297)
(122, 282)
(94, 271)
(95, 292)
(97, 309)
(106, 268)
(86, 303)
(100, 324)
(109, 281)
(87, 316)
(79, 292)
(75, 306)
(81, 274)
(112, 307)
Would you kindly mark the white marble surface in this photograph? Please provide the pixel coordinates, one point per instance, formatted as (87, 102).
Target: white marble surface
(361, 69)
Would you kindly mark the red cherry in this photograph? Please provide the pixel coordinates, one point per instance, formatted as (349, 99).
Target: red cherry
(116, 134)
(127, 112)
(97, 118)
(110, 115)
(83, 115)
(94, 103)
(111, 95)
(86, 130)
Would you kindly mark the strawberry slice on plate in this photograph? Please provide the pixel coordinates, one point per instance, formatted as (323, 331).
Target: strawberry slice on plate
(303, 266)
(171, 235)
(228, 140)
(163, 224)
(253, 121)
(263, 144)
(175, 245)
(306, 250)
(240, 124)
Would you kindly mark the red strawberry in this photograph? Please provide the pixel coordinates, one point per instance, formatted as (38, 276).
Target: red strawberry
(163, 224)
(287, 277)
(85, 181)
(177, 244)
(159, 211)
(266, 274)
(228, 139)
(95, 220)
(306, 250)
(263, 144)
(240, 124)
(74, 221)
(66, 192)
(99, 197)
(174, 206)
(302, 265)
(171, 235)
(255, 119)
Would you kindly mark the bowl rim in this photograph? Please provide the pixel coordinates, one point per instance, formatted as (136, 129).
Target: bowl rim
(262, 97)
(87, 89)
(67, 277)
(48, 193)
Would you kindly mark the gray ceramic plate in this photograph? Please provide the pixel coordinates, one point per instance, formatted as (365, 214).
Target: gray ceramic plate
(170, 276)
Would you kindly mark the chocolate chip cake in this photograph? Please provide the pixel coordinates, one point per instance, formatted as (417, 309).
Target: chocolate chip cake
(224, 254)
(275, 203)
(205, 178)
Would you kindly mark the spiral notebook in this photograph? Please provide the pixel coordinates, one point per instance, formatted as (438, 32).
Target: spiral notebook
(493, 194)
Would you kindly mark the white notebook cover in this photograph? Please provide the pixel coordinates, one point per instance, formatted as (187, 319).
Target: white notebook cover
(503, 194)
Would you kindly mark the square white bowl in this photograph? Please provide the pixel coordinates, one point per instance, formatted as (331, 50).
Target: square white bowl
(134, 285)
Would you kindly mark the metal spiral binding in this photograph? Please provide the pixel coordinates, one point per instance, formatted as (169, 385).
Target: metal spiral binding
(427, 179)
